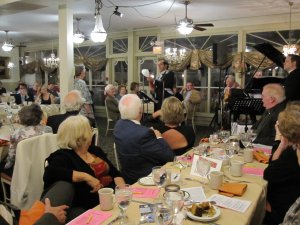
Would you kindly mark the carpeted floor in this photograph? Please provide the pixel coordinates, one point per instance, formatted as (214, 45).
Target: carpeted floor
(107, 142)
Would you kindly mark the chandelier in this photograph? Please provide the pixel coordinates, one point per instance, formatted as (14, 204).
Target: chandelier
(174, 55)
(78, 37)
(290, 48)
(98, 34)
(7, 46)
(52, 61)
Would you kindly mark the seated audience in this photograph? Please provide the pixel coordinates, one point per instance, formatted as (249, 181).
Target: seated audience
(274, 101)
(30, 117)
(134, 88)
(44, 97)
(111, 102)
(283, 172)
(230, 83)
(179, 137)
(79, 163)
(33, 91)
(72, 103)
(2, 89)
(122, 91)
(139, 148)
(191, 97)
(22, 95)
(53, 89)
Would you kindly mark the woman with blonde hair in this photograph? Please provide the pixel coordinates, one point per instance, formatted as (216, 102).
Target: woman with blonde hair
(179, 137)
(283, 172)
(81, 164)
(44, 97)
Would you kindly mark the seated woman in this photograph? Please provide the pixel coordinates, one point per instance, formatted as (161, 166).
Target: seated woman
(30, 117)
(111, 102)
(79, 163)
(283, 172)
(44, 96)
(179, 137)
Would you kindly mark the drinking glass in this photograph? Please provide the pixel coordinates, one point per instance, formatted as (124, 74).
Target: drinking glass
(214, 139)
(253, 136)
(159, 175)
(163, 214)
(231, 149)
(224, 135)
(175, 201)
(123, 194)
(245, 139)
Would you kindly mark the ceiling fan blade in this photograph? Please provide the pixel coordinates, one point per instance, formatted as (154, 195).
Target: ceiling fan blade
(204, 24)
(199, 28)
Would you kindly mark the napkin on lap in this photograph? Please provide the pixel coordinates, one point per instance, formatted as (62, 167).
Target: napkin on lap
(261, 157)
(232, 189)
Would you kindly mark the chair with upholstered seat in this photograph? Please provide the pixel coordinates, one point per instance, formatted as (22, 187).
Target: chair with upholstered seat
(190, 115)
(109, 120)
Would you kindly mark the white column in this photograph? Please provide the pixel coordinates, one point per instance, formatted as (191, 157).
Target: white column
(66, 52)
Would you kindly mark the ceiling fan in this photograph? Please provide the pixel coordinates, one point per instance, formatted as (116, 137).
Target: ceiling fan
(186, 25)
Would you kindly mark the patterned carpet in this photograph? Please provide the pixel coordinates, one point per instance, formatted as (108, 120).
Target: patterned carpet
(106, 142)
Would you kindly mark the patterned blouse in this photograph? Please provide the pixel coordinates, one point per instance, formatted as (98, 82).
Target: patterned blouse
(21, 134)
(81, 86)
(292, 217)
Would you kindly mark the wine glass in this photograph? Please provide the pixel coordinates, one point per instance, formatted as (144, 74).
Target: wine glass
(245, 139)
(159, 176)
(224, 135)
(253, 136)
(163, 214)
(231, 149)
(123, 194)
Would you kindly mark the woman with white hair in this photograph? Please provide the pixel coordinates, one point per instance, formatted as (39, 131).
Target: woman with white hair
(111, 102)
(81, 164)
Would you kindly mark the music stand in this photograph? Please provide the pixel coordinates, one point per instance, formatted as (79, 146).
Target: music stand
(247, 106)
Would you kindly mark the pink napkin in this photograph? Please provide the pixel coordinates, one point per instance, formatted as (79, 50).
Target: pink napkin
(187, 159)
(145, 192)
(91, 217)
(254, 171)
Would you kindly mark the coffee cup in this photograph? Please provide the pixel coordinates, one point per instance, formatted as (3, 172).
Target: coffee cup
(106, 198)
(236, 168)
(248, 155)
(215, 179)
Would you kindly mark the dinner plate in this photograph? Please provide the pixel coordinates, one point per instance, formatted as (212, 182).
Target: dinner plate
(146, 181)
(205, 218)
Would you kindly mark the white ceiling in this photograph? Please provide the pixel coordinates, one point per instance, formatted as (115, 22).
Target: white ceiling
(37, 20)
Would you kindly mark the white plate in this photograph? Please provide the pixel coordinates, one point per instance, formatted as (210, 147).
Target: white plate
(205, 218)
(146, 181)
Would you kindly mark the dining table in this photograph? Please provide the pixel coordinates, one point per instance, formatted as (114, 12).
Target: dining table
(255, 193)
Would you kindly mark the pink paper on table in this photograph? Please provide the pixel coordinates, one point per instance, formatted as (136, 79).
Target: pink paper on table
(91, 217)
(267, 151)
(254, 171)
(188, 159)
(145, 192)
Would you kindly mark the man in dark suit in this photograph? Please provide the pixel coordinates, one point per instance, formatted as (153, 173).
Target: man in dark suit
(22, 96)
(162, 86)
(139, 148)
(72, 104)
(274, 101)
(292, 82)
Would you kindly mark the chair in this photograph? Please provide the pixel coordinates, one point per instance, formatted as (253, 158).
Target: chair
(109, 120)
(27, 179)
(190, 115)
(5, 184)
(116, 157)
(96, 136)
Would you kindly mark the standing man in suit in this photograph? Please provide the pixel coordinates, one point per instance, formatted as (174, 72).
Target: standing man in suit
(72, 103)
(139, 148)
(292, 82)
(162, 86)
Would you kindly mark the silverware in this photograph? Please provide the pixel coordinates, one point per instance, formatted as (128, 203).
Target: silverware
(142, 202)
(114, 220)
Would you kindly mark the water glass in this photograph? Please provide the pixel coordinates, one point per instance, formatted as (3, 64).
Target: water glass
(224, 135)
(123, 195)
(163, 214)
(245, 139)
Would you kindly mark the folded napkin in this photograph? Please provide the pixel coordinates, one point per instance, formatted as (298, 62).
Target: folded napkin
(4, 142)
(261, 157)
(232, 189)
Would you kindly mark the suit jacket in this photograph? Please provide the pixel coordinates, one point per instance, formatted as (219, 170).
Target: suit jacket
(139, 150)
(18, 99)
(291, 86)
(113, 107)
(55, 120)
(167, 81)
(265, 127)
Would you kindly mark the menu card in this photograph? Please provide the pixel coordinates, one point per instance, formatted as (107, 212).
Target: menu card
(230, 203)
(91, 217)
(199, 166)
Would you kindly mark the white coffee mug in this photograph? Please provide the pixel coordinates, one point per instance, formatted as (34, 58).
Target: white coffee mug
(215, 179)
(236, 168)
(106, 198)
(248, 155)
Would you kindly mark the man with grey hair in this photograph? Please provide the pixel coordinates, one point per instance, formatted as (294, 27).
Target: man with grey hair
(273, 97)
(139, 148)
(72, 103)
